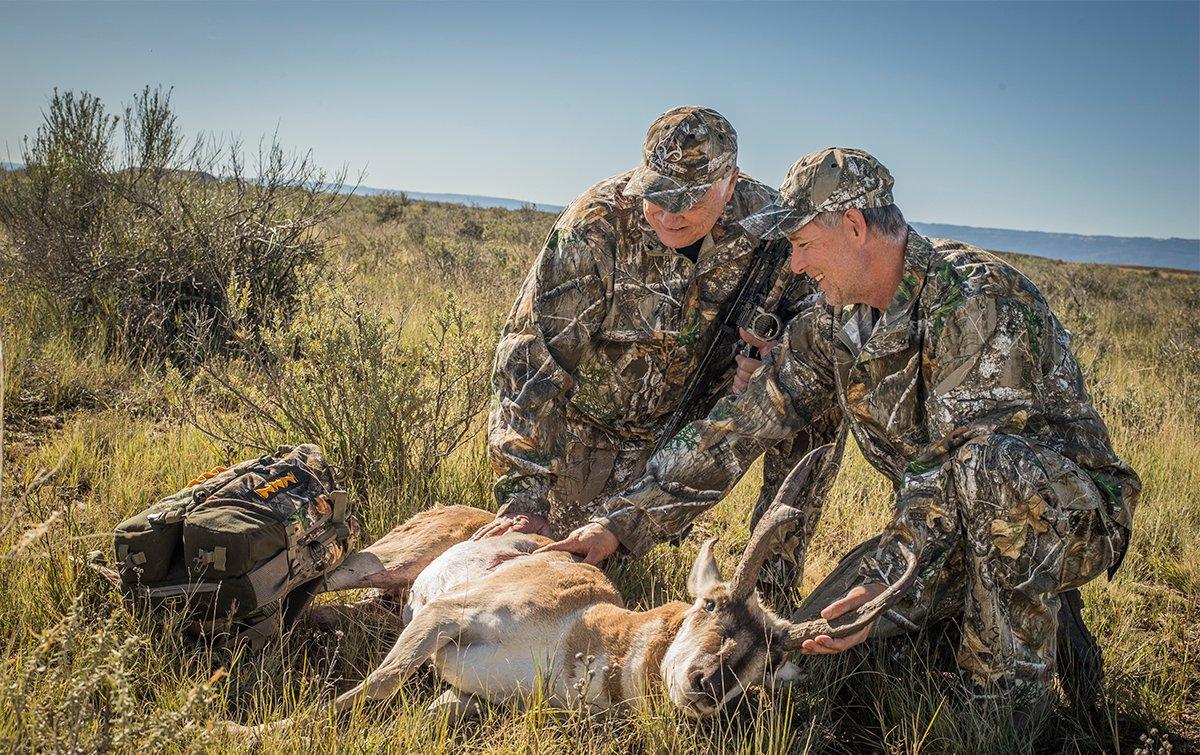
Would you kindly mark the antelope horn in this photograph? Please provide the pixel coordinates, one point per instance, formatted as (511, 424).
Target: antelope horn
(781, 512)
(758, 548)
(853, 621)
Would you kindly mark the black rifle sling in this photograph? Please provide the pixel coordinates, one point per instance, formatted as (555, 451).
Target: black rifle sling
(755, 283)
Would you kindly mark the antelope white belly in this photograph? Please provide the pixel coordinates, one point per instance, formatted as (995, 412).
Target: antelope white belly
(460, 564)
(513, 660)
(496, 671)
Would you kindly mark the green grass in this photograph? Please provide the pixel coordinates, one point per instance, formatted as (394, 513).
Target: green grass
(90, 441)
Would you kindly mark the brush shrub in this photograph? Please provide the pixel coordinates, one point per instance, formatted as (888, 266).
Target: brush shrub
(82, 689)
(388, 406)
(162, 249)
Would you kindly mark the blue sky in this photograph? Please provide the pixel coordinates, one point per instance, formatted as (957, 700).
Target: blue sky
(1079, 117)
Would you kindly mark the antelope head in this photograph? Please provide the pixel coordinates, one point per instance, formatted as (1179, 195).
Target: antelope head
(728, 641)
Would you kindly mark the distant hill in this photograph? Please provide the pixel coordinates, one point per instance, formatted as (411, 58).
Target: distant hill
(465, 199)
(1181, 254)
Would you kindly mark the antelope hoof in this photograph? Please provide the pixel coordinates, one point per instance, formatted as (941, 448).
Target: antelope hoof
(252, 736)
(459, 707)
(373, 612)
(326, 617)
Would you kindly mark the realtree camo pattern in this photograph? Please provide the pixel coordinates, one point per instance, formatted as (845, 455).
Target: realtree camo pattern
(828, 180)
(595, 355)
(297, 485)
(968, 398)
(967, 349)
(686, 151)
(1028, 523)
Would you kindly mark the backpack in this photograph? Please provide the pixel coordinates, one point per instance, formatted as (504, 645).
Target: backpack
(240, 550)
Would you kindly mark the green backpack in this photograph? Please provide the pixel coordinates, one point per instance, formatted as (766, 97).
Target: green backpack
(240, 550)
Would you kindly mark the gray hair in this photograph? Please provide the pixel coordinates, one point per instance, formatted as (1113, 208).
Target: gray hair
(887, 221)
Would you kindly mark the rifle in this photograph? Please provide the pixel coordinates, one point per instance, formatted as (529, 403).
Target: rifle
(743, 310)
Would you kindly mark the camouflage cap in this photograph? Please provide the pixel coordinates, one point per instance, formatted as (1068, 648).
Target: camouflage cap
(828, 180)
(687, 150)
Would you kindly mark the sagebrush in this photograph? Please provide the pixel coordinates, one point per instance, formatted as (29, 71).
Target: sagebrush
(158, 247)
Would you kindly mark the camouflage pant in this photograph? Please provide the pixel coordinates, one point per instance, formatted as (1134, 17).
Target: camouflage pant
(1031, 524)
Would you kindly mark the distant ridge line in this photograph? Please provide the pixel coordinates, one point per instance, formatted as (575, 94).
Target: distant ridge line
(472, 200)
(1136, 251)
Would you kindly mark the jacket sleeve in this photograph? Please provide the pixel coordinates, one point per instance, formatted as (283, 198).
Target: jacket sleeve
(799, 293)
(706, 458)
(983, 379)
(558, 311)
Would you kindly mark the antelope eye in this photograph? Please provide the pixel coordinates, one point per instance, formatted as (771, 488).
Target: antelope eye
(710, 605)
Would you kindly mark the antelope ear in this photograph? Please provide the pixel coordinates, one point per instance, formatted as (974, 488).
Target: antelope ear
(705, 574)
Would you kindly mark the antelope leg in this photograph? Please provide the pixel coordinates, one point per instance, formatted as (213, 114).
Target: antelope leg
(421, 639)
(377, 609)
(393, 561)
(435, 626)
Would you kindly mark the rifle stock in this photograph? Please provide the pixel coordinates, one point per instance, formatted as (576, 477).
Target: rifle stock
(745, 309)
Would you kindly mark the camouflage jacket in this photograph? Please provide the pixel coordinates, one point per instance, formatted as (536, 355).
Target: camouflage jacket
(605, 332)
(968, 347)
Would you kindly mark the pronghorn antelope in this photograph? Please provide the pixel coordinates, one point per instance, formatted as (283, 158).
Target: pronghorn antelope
(496, 619)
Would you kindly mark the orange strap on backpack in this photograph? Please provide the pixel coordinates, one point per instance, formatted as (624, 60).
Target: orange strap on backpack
(206, 476)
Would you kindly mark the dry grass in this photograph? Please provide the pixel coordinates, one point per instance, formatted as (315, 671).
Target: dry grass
(90, 441)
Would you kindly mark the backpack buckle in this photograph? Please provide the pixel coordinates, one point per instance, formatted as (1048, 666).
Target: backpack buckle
(341, 502)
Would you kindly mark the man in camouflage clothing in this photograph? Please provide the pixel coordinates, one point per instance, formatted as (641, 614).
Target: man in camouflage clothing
(619, 308)
(960, 386)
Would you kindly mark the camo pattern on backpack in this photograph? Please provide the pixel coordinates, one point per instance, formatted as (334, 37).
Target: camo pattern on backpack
(240, 549)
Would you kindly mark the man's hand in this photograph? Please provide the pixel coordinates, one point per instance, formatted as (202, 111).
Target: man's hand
(826, 645)
(747, 365)
(591, 541)
(531, 523)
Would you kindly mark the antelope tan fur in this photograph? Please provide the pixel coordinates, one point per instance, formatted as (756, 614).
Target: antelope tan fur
(497, 620)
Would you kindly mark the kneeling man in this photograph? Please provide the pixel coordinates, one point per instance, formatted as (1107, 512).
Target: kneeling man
(959, 385)
(619, 333)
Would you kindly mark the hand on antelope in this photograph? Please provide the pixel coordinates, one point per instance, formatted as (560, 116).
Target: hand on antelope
(533, 524)
(855, 598)
(592, 541)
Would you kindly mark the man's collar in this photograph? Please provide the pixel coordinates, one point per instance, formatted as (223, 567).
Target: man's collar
(719, 247)
(894, 330)
(728, 225)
